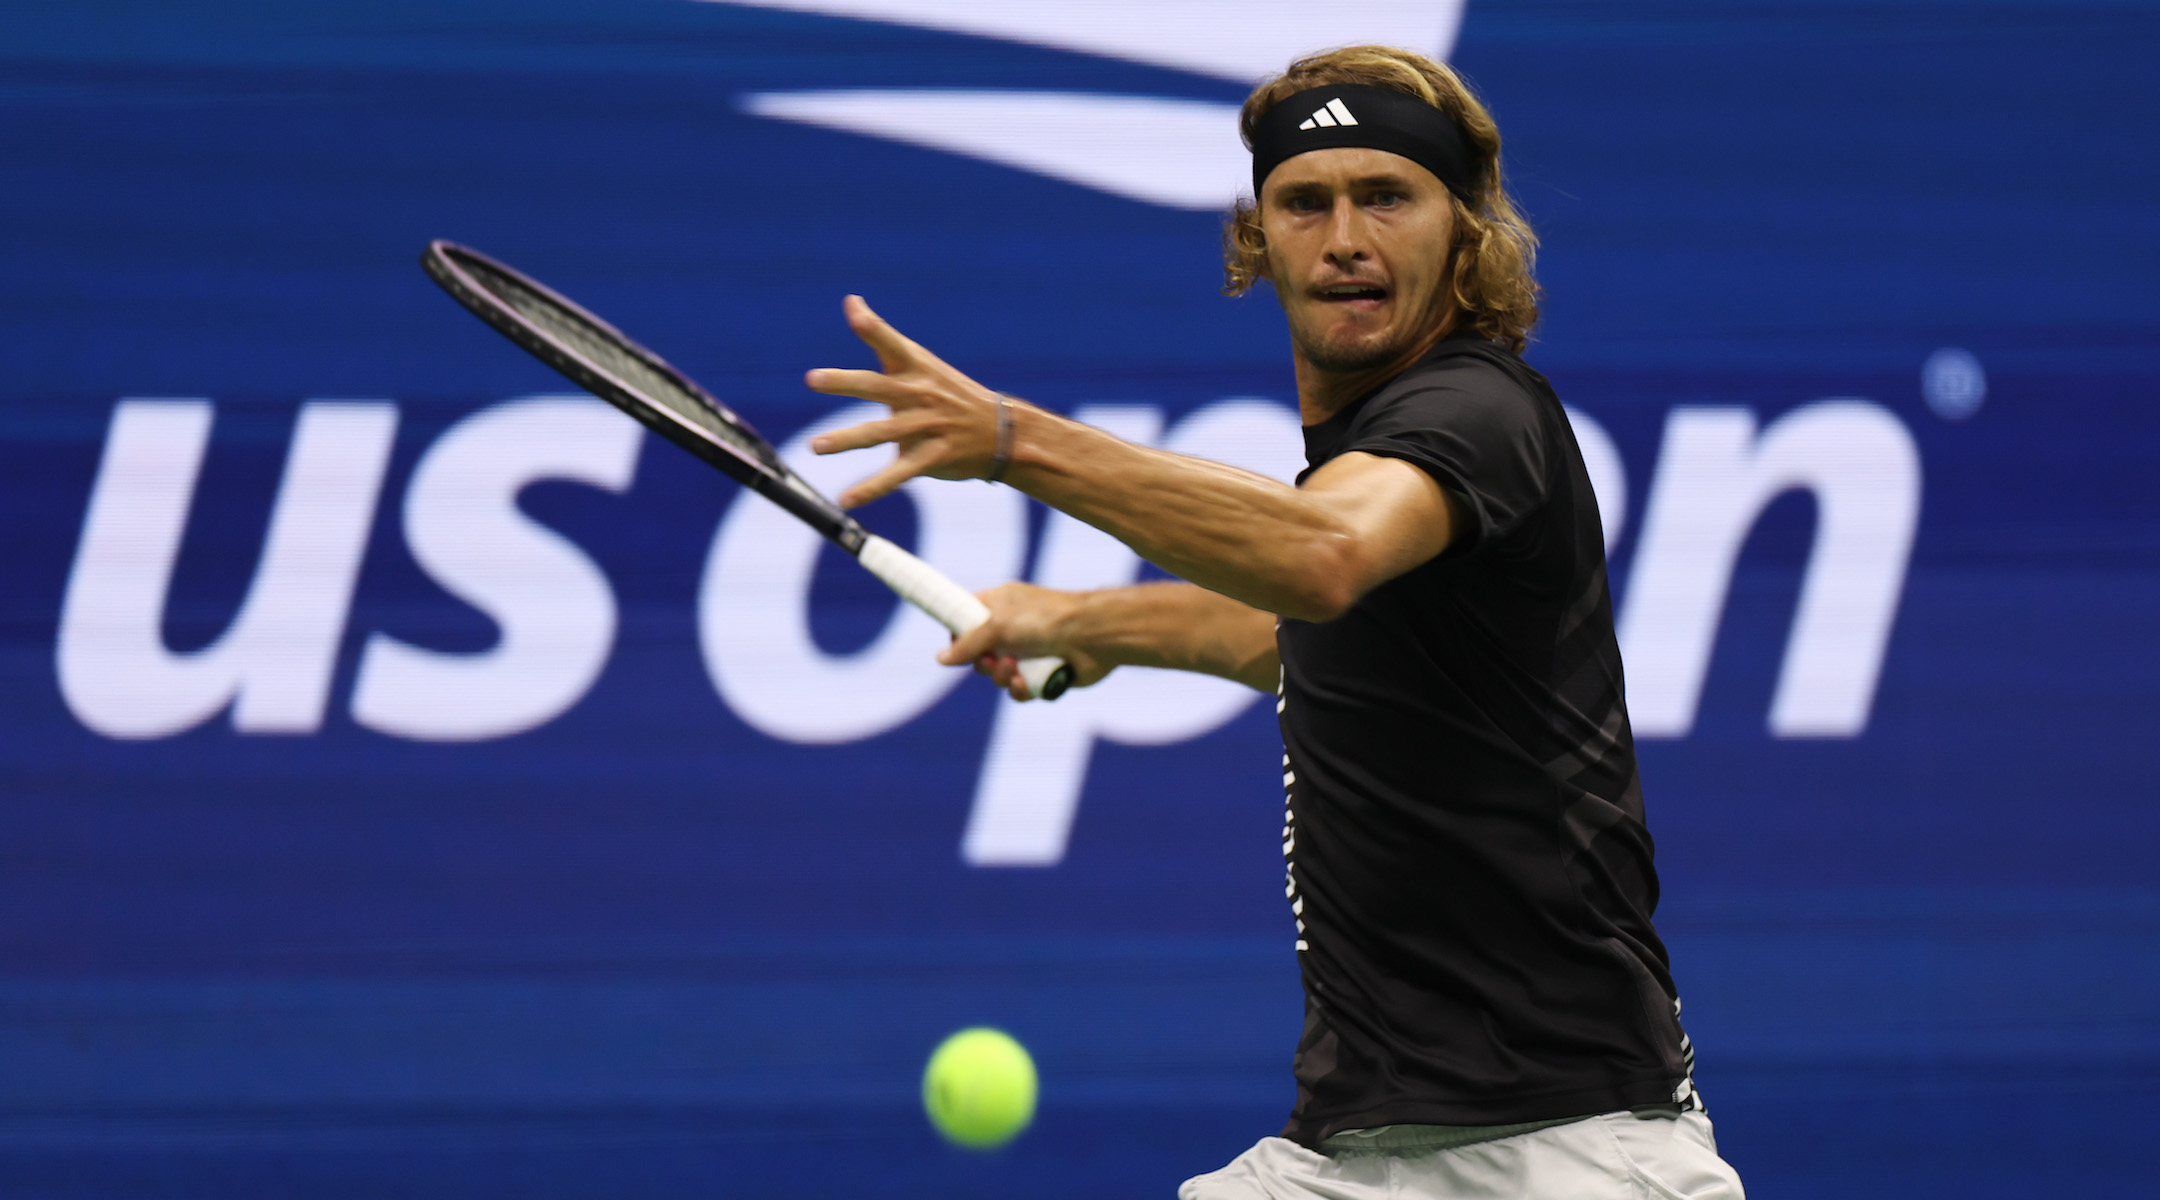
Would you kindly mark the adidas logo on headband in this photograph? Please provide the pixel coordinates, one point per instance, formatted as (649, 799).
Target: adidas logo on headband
(1329, 115)
(1386, 120)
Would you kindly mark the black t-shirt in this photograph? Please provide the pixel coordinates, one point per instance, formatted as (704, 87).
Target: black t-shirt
(1468, 862)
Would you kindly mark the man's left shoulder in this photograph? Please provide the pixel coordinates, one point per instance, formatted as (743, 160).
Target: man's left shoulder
(1469, 379)
(1475, 364)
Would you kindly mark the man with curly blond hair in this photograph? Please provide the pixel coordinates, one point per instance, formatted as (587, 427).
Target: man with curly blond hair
(1489, 1011)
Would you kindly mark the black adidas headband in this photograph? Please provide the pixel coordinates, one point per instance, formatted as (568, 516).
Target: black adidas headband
(1351, 114)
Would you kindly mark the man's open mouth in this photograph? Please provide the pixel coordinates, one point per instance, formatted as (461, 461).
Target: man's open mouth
(1352, 292)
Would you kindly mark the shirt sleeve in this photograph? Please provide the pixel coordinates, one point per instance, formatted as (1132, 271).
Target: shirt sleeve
(1478, 436)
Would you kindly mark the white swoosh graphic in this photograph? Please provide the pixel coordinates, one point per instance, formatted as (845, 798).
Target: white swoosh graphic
(1244, 40)
(1158, 150)
(1176, 153)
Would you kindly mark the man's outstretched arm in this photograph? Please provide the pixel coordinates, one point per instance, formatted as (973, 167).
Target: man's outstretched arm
(1307, 552)
(1172, 625)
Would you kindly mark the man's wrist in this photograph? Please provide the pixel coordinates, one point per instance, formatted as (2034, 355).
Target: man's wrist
(1002, 440)
(1029, 430)
(1081, 626)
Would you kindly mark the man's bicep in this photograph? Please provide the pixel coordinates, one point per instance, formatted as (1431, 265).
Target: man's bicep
(1395, 513)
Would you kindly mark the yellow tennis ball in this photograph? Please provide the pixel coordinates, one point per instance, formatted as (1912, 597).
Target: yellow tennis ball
(979, 1088)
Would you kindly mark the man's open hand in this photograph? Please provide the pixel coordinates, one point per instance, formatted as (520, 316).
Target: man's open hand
(943, 424)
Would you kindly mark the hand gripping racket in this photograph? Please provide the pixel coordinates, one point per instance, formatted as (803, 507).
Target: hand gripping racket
(597, 357)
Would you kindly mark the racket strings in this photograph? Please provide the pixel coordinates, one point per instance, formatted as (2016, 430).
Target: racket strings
(607, 354)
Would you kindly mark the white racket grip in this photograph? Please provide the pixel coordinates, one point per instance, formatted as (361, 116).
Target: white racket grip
(953, 606)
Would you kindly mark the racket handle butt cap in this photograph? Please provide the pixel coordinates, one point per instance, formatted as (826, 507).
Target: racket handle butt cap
(1047, 678)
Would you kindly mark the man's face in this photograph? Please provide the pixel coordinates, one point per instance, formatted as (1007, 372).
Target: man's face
(1357, 244)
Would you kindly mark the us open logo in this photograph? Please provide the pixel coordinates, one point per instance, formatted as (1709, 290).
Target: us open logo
(272, 668)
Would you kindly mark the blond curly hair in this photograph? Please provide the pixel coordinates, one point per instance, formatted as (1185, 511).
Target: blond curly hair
(1494, 255)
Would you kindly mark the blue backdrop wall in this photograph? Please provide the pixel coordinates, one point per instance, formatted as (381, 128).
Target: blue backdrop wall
(414, 781)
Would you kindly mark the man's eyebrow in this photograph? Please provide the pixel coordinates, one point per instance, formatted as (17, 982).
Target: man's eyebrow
(1385, 179)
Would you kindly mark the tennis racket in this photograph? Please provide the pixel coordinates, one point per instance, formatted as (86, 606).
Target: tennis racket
(597, 357)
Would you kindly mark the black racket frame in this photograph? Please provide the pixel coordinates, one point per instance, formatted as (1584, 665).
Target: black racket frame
(446, 262)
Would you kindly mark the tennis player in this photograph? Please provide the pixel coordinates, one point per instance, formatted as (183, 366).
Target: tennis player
(1488, 1008)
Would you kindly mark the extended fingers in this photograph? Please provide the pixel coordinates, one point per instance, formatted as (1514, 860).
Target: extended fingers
(865, 385)
(855, 437)
(894, 350)
(885, 482)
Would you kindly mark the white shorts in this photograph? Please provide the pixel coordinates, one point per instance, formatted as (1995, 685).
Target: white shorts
(1653, 1155)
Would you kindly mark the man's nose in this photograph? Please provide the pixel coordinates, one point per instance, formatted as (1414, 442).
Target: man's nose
(1346, 242)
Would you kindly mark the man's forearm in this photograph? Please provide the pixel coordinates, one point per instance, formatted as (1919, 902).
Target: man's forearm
(1178, 626)
(1231, 531)
(1308, 552)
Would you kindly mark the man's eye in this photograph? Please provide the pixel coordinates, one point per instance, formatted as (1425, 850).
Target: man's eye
(1387, 199)
(1304, 204)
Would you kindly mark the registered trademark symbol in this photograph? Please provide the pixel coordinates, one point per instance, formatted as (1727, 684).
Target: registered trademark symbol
(1953, 383)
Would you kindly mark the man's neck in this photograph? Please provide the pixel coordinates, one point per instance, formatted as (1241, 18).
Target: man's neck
(1323, 393)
